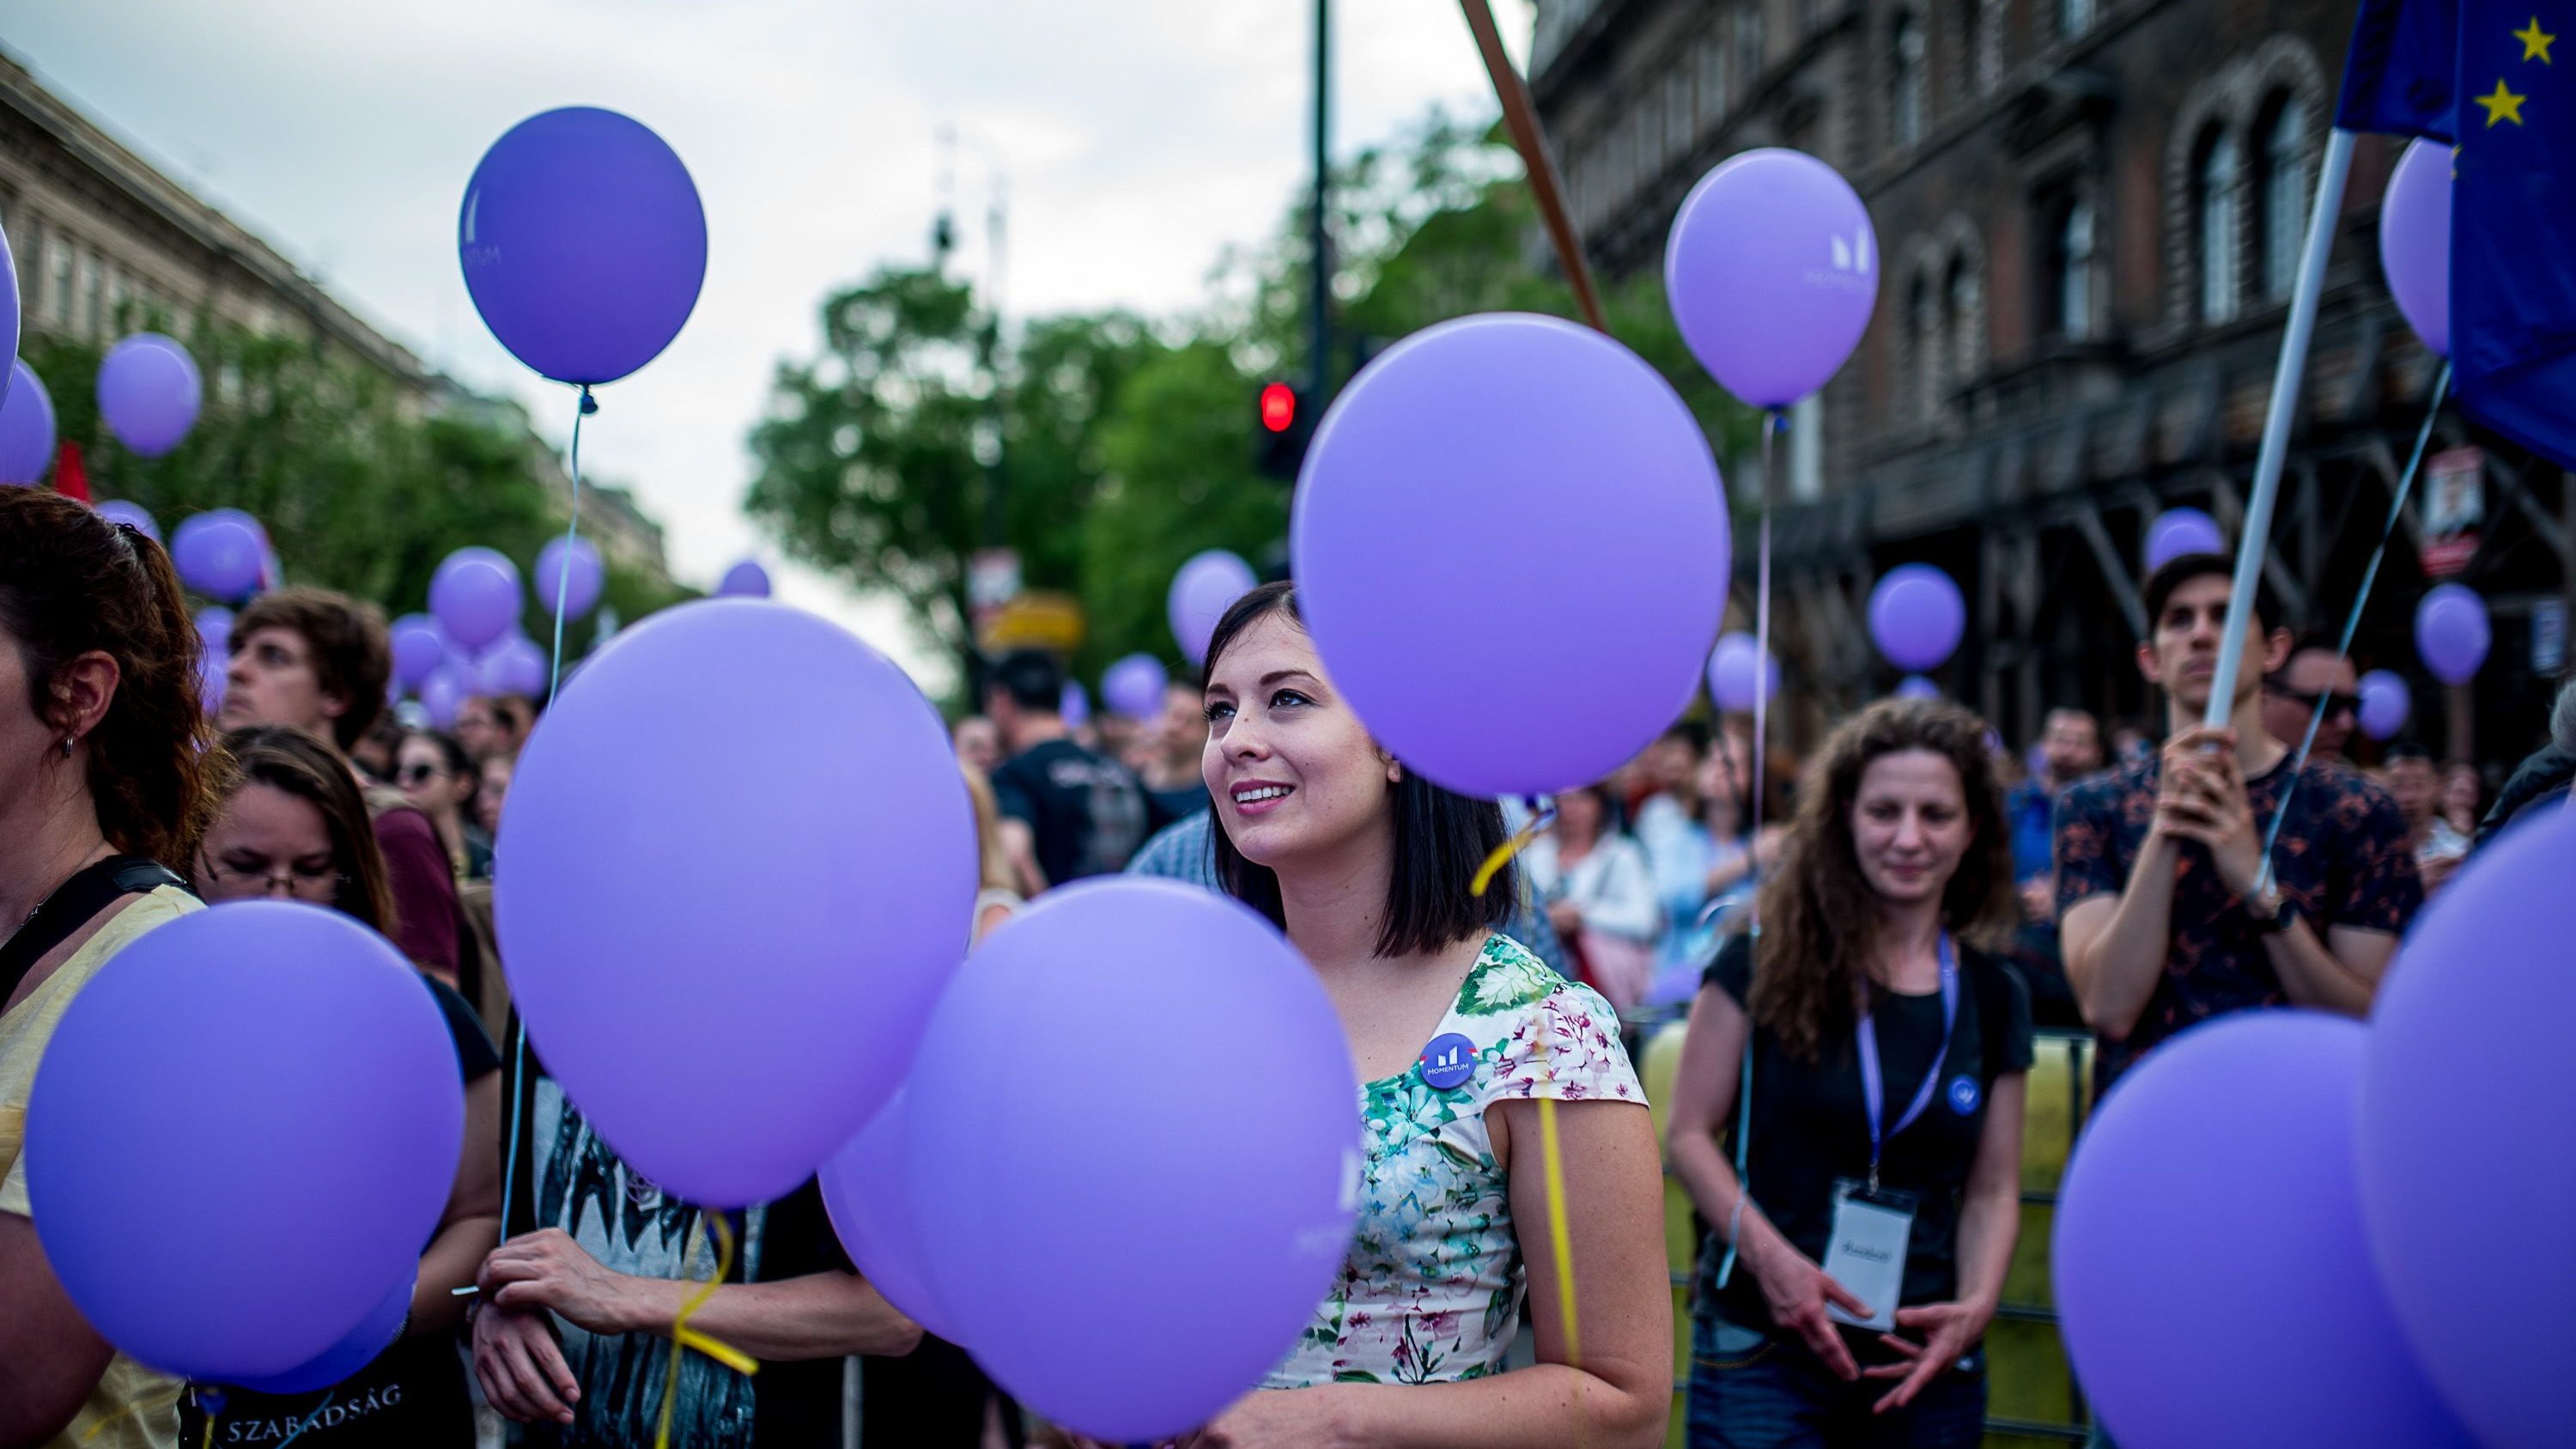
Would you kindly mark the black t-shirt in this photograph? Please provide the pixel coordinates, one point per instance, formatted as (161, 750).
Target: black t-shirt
(1810, 1127)
(412, 1394)
(1087, 812)
(567, 1178)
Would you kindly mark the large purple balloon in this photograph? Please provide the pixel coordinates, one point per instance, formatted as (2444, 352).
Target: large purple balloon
(148, 393)
(1509, 436)
(1135, 685)
(475, 596)
(1736, 669)
(1916, 616)
(583, 243)
(417, 647)
(26, 427)
(1203, 588)
(2212, 1274)
(2451, 632)
(218, 553)
(569, 570)
(318, 1164)
(358, 1348)
(442, 694)
(132, 515)
(1052, 1166)
(2468, 1154)
(863, 1191)
(2385, 703)
(745, 580)
(2415, 241)
(1772, 270)
(2178, 531)
(727, 1037)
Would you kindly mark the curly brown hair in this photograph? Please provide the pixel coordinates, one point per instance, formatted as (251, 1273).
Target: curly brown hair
(72, 583)
(1818, 912)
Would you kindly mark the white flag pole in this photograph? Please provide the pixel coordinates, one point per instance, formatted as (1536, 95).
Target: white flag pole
(2253, 541)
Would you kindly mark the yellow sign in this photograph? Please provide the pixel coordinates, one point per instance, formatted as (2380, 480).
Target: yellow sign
(1035, 620)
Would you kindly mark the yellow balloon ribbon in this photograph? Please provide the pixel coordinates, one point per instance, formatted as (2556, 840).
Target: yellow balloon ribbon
(167, 1398)
(684, 1338)
(1560, 1232)
(1504, 852)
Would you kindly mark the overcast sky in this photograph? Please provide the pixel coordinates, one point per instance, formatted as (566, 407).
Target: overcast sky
(1139, 137)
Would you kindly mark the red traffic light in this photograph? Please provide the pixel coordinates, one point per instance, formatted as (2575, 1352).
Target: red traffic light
(1278, 407)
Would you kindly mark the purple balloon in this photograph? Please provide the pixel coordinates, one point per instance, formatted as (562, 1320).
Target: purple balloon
(2385, 703)
(2467, 1150)
(514, 666)
(1074, 703)
(418, 649)
(2451, 633)
(745, 580)
(1049, 1160)
(374, 1334)
(1135, 685)
(569, 571)
(1915, 686)
(148, 393)
(2415, 242)
(836, 913)
(214, 660)
(2178, 531)
(1736, 669)
(132, 515)
(442, 694)
(1467, 443)
(583, 243)
(26, 427)
(1203, 588)
(8, 309)
(321, 1163)
(475, 596)
(215, 628)
(863, 1192)
(1772, 270)
(1917, 616)
(218, 553)
(2213, 1277)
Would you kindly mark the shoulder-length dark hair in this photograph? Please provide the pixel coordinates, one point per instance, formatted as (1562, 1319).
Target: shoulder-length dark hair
(72, 582)
(1441, 836)
(1819, 914)
(283, 757)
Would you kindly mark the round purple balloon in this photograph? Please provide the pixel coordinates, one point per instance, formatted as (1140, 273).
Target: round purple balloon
(838, 902)
(2451, 633)
(374, 1334)
(2178, 531)
(26, 427)
(2467, 1150)
(2415, 241)
(1772, 270)
(1203, 588)
(1915, 686)
(133, 516)
(148, 393)
(442, 694)
(2385, 703)
(569, 572)
(1050, 1160)
(218, 553)
(583, 243)
(1135, 685)
(2212, 1273)
(1074, 703)
(1916, 616)
(745, 580)
(475, 596)
(294, 1232)
(514, 666)
(1737, 669)
(1475, 441)
(417, 647)
(863, 1193)
(215, 628)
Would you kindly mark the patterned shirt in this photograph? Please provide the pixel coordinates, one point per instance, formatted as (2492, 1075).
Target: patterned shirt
(2341, 859)
(1431, 1290)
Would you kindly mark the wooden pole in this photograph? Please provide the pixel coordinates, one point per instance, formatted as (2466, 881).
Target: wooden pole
(1520, 116)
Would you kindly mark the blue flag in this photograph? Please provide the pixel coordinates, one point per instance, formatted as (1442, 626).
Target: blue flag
(2398, 76)
(2513, 223)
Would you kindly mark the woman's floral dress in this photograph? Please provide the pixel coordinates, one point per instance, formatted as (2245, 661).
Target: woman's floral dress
(1431, 1290)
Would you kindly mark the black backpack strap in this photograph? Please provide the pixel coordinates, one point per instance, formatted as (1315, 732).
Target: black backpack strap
(72, 905)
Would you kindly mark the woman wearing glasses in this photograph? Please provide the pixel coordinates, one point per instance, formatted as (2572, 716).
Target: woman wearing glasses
(294, 827)
(437, 775)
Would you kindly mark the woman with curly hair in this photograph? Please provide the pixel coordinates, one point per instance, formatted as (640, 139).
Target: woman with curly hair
(1848, 1110)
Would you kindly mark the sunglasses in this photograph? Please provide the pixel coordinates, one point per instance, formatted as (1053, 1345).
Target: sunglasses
(2335, 703)
(417, 774)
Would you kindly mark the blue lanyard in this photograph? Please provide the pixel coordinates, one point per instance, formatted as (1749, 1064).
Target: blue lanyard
(1873, 1092)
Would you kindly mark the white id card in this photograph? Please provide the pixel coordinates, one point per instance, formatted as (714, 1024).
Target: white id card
(1867, 1252)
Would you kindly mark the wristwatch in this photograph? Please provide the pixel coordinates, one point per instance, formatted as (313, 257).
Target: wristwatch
(2272, 912)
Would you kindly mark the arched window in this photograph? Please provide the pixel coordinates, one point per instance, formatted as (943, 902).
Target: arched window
(1975, 79)
(2283, 195)
(1964, 299)
(1750, 61)
(1923, 320)
(2069, 272)
(2213, 207)
(1908, 92)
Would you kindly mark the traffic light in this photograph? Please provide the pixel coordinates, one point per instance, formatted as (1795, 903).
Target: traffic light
(1286, 424)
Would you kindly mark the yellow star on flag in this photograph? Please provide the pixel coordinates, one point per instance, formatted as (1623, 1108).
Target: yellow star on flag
(2504, 105)
(2535, 42)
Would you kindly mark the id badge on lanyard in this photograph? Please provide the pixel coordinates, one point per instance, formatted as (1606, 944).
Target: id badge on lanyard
(1873, 1226)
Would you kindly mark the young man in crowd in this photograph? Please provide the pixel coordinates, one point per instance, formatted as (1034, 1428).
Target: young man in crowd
(2168, 914)
(1067, 811)
(2415, 780)
(2290, 697)
(2070, 748)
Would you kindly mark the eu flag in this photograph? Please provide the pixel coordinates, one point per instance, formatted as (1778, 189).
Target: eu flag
(2513, 223)
(2397, 78)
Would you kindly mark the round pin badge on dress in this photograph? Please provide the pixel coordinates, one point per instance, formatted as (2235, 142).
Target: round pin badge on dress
(1963, 1094)
(1448, 1061)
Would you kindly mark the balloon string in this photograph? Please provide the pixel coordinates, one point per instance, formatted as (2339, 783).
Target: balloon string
(1771, 423)
(1504, 853)
(684, 1338)
(1560, 1231)
(2352, 620)
(167, 1398)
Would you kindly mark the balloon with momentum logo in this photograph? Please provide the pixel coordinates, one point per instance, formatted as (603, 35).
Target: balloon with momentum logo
(1772, 272)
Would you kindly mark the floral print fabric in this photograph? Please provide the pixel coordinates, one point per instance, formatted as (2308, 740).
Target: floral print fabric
(1431, 1290)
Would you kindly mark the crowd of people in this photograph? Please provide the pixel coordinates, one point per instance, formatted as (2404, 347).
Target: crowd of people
(1860, 942)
